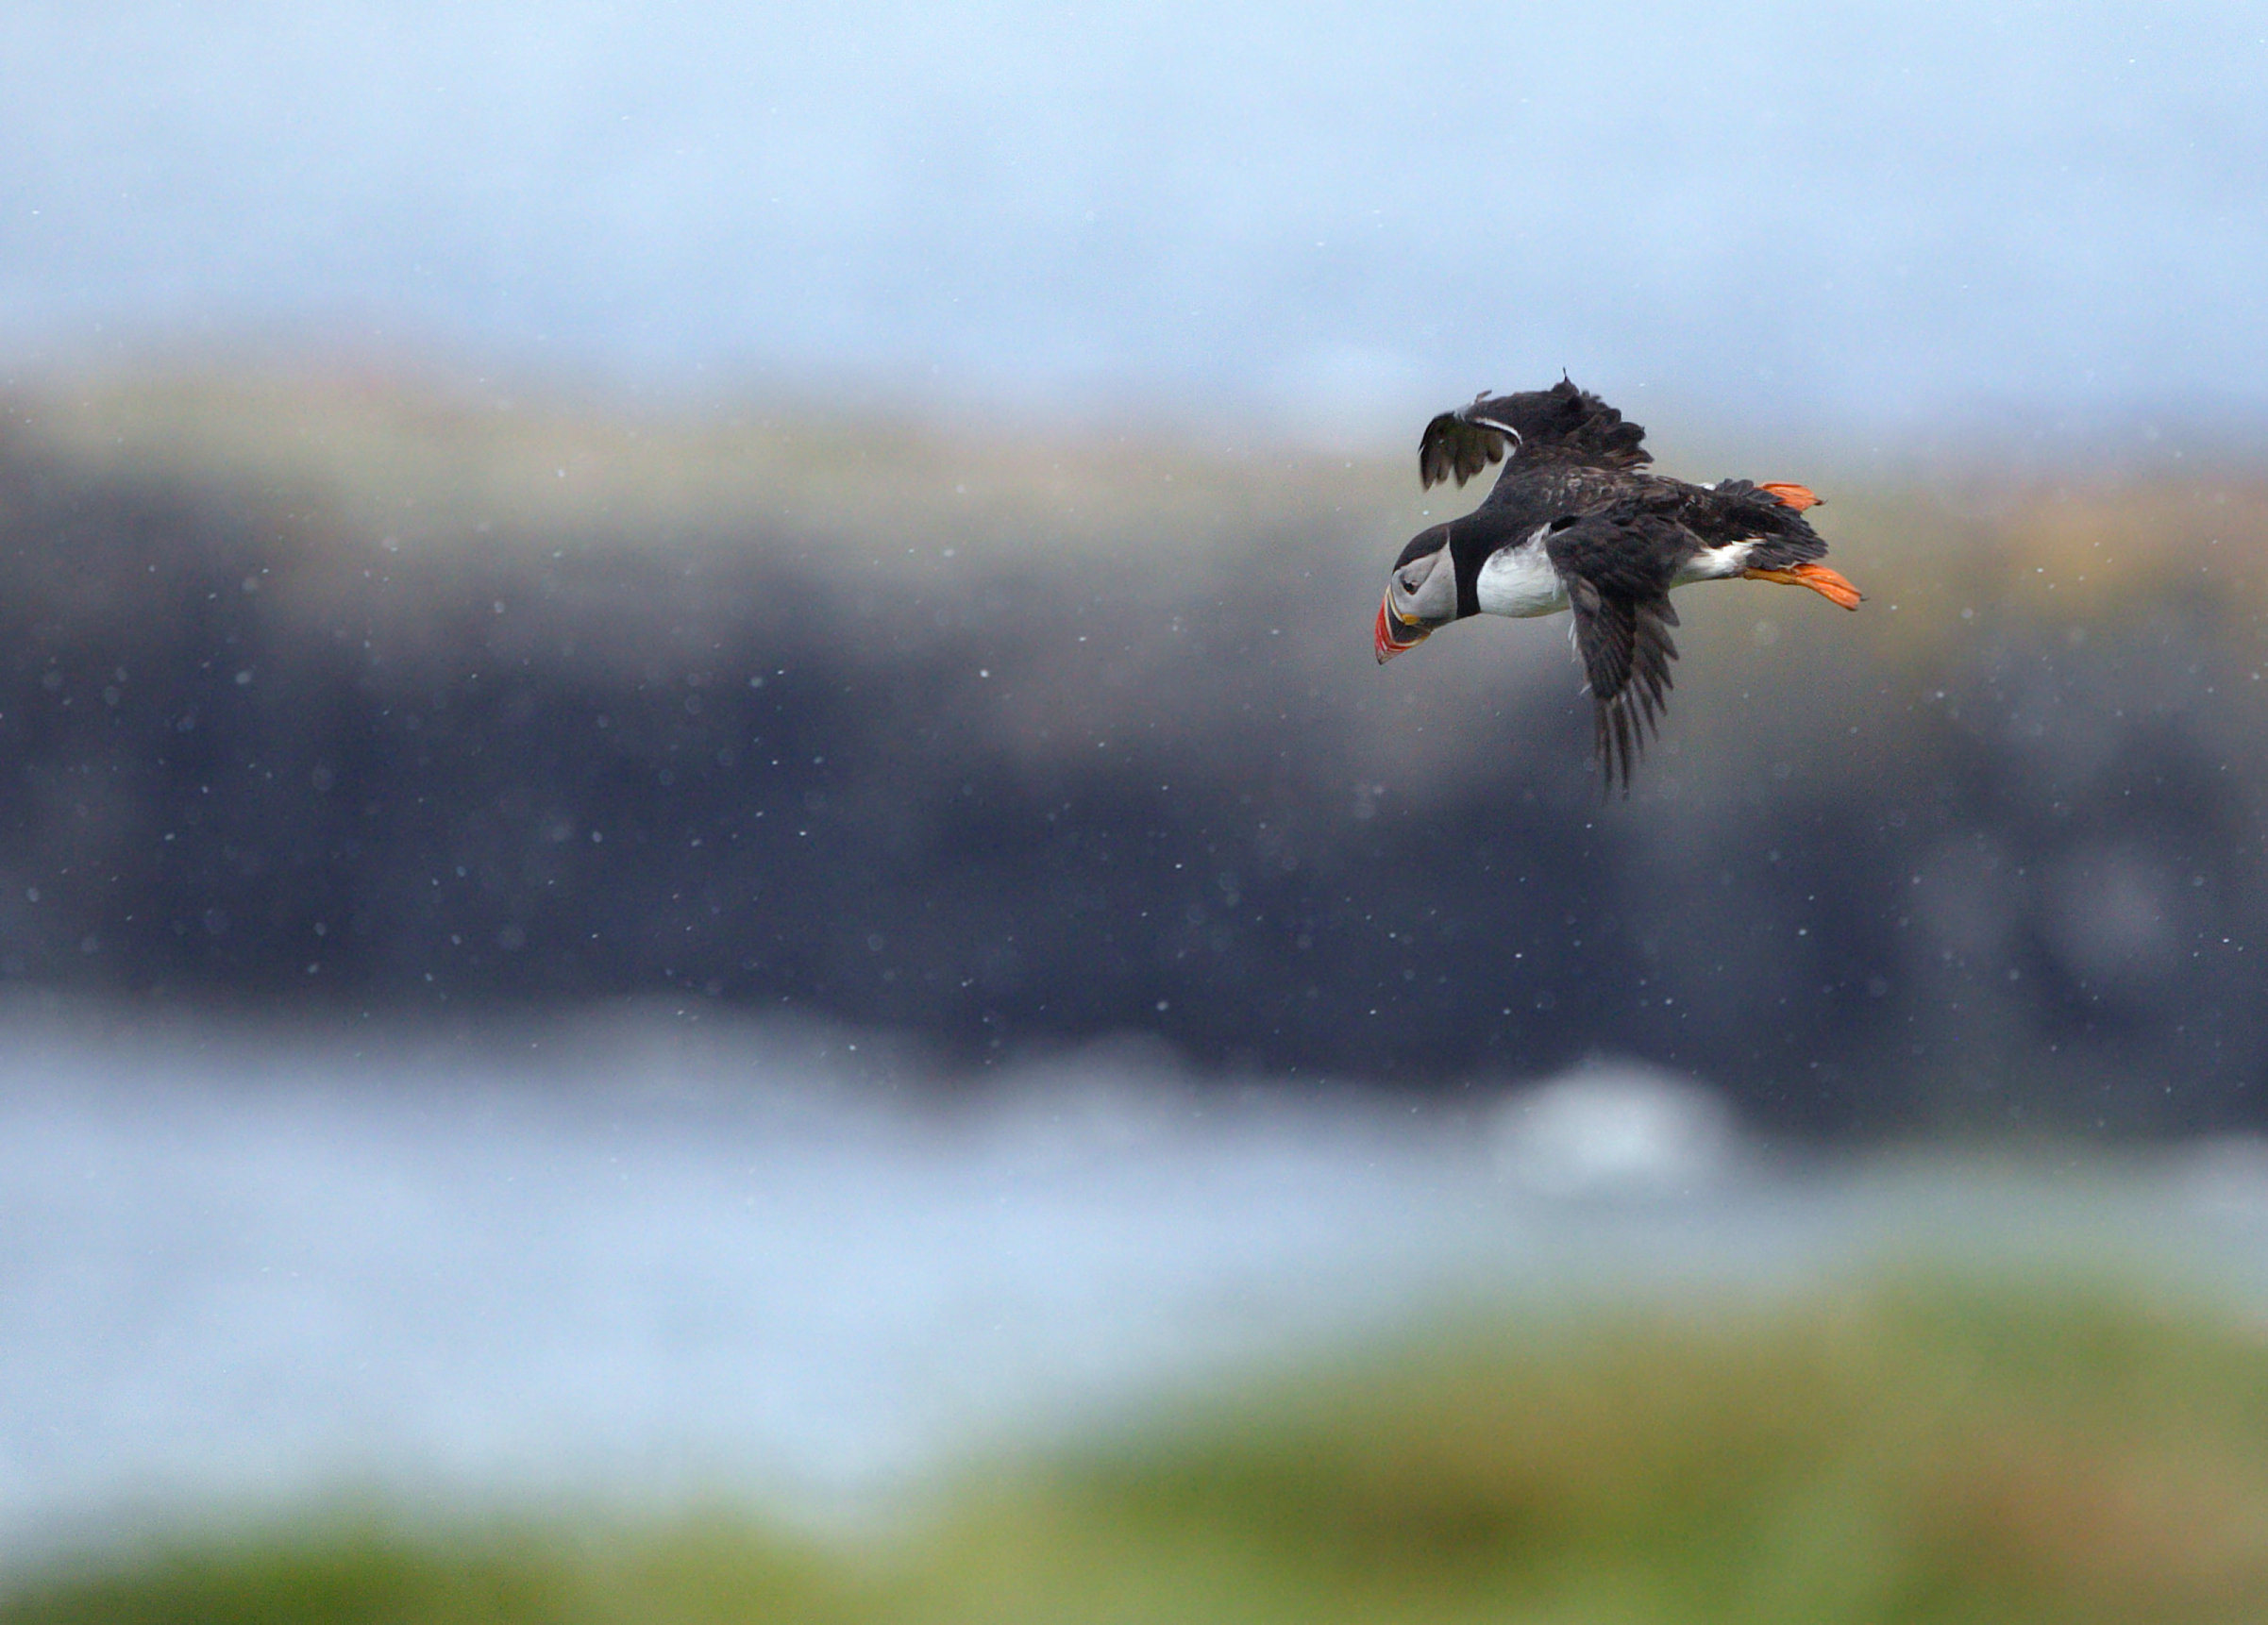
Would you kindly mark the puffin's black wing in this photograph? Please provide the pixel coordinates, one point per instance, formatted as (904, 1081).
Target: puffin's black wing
(1465, 442)
(1562, 423)
(1618, 561)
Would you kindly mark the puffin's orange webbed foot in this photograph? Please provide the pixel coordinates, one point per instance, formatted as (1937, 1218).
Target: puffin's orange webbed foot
(1796, 497)
(1829, 584)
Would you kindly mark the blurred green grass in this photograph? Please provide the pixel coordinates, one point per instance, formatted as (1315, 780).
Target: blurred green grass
(1922, 1446)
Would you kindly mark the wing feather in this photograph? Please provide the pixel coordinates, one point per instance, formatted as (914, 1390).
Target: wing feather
(1463, 442)
(1618, 563)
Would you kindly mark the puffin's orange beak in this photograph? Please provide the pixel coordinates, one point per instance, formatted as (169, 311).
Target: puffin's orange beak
(1393, 633)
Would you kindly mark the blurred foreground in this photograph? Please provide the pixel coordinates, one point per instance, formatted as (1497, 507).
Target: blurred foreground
(508, 1308)
(363, 693)
(1914, 1451)
(511, 1308)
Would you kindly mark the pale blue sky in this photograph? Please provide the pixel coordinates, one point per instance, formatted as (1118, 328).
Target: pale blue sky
(1857, 216)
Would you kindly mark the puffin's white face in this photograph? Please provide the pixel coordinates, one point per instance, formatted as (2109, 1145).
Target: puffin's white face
(1421, 594)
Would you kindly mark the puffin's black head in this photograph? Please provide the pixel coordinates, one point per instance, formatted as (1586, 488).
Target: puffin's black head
(1421, 594)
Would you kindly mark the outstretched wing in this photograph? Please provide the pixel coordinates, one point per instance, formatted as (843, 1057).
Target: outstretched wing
(1465, 442)
(1619, 562)
(1569, 425)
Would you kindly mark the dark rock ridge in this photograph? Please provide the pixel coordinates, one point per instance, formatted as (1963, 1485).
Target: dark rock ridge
(1982, 870)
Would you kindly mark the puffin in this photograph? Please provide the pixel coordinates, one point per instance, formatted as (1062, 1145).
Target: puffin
(1576, 522)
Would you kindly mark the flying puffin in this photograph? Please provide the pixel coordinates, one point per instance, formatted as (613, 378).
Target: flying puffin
(1574, 521)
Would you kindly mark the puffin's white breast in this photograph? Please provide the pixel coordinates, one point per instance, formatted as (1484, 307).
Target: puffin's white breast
(1519, 580)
